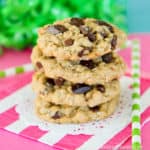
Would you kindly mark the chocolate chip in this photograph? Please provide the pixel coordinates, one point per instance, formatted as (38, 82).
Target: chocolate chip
(57, 115)
(114, 42)
(94, 109)
(107, 58)
(39, 65)
(76, 21)
(103, 23)
(60, 28)
(52, 30)
(50, 81)
(100, 87)
(81, 88)
(51, 57)
(85, 51)
(88, 63)
(84, 30)
(104, 34)
(59, 81)
(81, 53)
(91, 36)
(69, 42)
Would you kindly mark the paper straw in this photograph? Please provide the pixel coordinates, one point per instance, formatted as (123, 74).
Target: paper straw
(136, 126)
(16, 70)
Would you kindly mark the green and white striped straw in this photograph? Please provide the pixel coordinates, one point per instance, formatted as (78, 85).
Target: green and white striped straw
(16, 70)
(136, 126)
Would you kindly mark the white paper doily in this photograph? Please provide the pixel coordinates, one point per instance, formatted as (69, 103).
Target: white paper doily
(119, 119)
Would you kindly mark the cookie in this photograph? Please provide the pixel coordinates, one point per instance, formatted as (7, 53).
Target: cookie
(98, 71)
(67, 114)
(76, 39)
(61, 91)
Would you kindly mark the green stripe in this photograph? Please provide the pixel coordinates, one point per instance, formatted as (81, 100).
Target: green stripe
(136, 66)
(136, 146)
(135, 96)
(136, 57)
(135, 119)
(135, 75)
(135, 42)
(135, 85)
(2, 74)
(136, 131)
(136, 49)
(135, 107)
(19, 70)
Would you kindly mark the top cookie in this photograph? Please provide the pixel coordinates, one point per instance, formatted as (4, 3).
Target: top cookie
(76, 39)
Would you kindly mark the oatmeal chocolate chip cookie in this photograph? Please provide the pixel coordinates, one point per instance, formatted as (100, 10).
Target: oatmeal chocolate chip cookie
(98, 71)
(67, 114)
(60, 91)
(76, 39)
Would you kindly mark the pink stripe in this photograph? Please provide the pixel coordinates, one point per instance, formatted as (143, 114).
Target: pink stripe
(17, 58)
(125, 132)
(145, 84)
(8, 117)
(11, 84)
(118, 138)
(33, 132)
(145, 114)
(72, 142)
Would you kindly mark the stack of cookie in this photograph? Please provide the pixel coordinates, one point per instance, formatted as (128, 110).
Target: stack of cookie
(77, 70)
